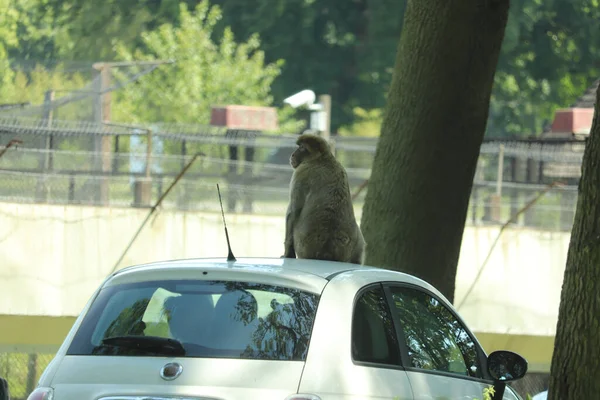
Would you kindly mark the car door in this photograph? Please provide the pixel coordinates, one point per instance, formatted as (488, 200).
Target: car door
(441, 358)
(375, 350)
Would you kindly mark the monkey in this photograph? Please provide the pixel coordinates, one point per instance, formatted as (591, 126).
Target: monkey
(320, 222)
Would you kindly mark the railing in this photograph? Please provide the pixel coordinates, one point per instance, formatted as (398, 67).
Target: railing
(78, 162)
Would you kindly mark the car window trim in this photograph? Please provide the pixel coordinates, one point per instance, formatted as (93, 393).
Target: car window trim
(398, 328)
(450, 375)
(371, 364)
(481, 355)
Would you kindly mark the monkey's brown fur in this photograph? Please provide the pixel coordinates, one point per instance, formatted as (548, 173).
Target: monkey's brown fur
(320, 221)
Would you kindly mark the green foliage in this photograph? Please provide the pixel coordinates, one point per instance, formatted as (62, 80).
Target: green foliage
(488, 393)
(287, 121)
(38, 30)
(16, 366)
(90, 30)
(19, 86)
(8, 38)
(346, 49)
(367, 123)
(206, 73)
(8, 27)
(548, 60)
(27, 34)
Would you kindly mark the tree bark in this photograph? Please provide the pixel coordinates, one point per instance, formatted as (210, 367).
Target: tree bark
(435, 118)
(574, 373)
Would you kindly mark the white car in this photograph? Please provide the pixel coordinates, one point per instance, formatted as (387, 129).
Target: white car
(275, 328)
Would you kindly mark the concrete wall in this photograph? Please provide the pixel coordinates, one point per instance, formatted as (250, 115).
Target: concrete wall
(53, 257)
(518, 291)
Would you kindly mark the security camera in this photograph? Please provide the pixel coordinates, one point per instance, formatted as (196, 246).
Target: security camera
(304, 98)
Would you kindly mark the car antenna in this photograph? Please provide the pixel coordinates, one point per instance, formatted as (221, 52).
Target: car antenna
(230, 256)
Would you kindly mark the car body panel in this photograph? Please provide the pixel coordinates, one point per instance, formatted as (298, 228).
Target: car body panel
(92, 377)
(434, 386)
(282, 265)
(268, 274)
(48, 374)
(342, 378)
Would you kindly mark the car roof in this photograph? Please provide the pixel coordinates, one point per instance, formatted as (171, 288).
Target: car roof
(323, 269)
(307, 274)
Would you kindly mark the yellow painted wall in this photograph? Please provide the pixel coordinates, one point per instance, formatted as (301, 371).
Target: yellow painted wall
(537, 350)
(33, 334)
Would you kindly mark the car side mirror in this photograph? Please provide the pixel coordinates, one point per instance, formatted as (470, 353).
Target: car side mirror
(506, 366)
(4, 395)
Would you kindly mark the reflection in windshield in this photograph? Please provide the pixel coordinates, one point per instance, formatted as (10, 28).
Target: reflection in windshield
(435, 339)
(129, 322)
(210, 319)
(373, 336)
(284, 333)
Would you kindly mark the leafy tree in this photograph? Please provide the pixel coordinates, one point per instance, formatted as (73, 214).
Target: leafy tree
(31, 86)
(26, 40)
(335, 47)
(418, 194)
(574, 371)
(8, 27)
(548, 59)
(129, 321)
(39, 31)
(376, 52)
(90, 30)
(8, 38)
(345, 49)
(206, 73)
(367, 123)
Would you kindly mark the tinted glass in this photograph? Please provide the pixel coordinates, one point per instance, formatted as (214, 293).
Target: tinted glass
(210, 319)
(373, 336)
(435, 338)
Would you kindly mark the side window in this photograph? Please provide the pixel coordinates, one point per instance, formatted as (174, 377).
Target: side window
(435, 339)
(373, 336)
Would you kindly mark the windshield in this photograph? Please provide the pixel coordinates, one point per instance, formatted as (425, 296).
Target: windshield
(209, 318)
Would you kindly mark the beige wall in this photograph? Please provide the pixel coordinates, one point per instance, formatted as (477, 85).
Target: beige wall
(53, 257)
(518, 291)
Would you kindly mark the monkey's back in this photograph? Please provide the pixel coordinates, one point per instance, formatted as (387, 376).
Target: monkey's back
(326, 228)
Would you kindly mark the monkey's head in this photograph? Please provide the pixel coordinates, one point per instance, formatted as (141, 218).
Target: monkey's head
(310, 147)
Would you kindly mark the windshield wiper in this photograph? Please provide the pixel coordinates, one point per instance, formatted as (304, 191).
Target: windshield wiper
(154, 344)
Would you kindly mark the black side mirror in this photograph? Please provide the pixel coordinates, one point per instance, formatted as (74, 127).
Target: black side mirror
(4, 395)
(506, 366)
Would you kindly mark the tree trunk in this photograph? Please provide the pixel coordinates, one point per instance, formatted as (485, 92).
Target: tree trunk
(574, 373)
(418, 193)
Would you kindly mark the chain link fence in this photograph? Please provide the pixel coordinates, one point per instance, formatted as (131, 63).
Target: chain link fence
(508, 177)
(22, 371)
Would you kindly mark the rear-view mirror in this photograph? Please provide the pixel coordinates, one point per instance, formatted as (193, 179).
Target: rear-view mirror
(506, 366)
